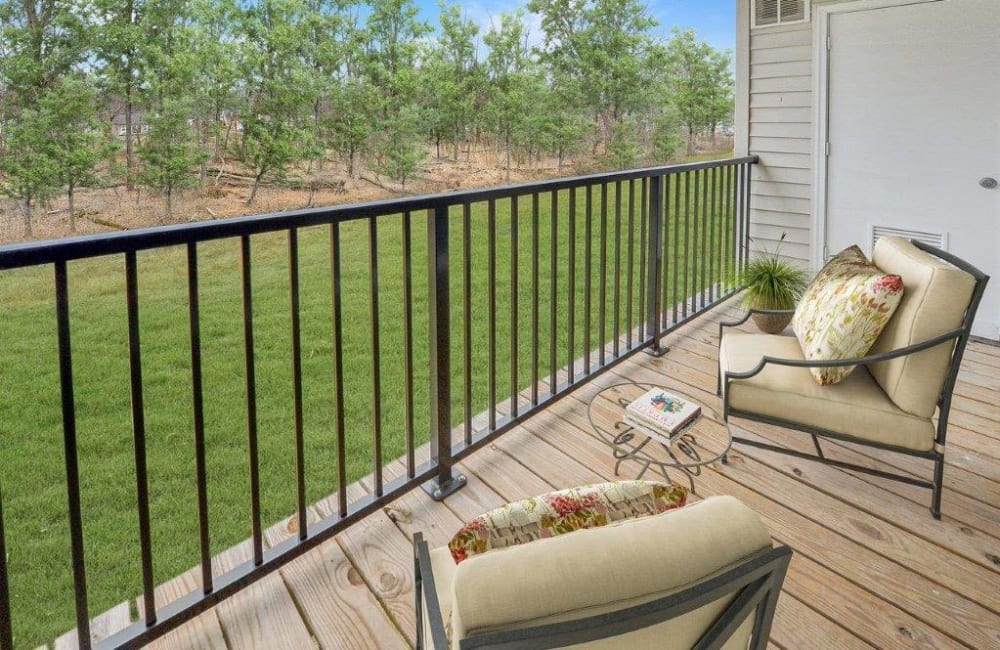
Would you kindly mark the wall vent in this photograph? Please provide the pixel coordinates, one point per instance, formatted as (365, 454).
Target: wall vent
(779, 12)
(936, 239)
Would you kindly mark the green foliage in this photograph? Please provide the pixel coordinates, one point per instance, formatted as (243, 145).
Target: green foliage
(170, 151)
(771, 281)
(699, 82)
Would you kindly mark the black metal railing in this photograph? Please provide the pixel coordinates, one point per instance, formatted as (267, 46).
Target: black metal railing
(661, 245)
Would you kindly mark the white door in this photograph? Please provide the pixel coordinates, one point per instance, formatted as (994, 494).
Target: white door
(914, 130)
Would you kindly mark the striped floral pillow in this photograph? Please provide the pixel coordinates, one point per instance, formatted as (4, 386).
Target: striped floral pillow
(562, 512)
(843, 311)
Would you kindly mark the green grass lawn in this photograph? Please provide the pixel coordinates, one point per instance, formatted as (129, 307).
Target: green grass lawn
(31, 448)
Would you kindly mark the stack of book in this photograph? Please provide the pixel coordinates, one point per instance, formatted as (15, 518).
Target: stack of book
(661, 414)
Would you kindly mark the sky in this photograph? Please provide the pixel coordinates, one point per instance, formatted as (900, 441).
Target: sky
(713, 20)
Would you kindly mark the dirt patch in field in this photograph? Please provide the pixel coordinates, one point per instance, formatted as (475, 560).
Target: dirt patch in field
(224, 195)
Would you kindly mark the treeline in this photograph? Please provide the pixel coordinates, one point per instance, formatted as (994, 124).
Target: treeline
(164, 94)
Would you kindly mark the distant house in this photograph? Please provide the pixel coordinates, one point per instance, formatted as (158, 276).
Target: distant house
(139, 126)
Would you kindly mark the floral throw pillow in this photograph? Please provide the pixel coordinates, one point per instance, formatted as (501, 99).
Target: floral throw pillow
(564, 511)
(843, 311)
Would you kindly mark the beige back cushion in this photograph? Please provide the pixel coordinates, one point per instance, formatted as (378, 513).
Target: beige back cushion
(935, 298)
(594, 571)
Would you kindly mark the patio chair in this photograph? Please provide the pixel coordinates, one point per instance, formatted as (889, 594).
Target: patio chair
(701, 576)
(889, 400)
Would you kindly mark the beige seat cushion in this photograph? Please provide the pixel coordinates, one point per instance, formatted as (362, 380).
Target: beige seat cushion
(935, 298)
(857, 406)
(598, 570)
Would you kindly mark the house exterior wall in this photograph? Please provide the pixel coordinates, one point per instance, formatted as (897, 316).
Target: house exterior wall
(776, 71)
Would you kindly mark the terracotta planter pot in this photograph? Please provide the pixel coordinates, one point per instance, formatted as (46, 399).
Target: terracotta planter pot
(771, 323)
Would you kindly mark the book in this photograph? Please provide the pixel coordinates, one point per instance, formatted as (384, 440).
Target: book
(662, 412)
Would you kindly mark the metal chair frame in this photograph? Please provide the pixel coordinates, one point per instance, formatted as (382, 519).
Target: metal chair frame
(958, 338)
(755, 584)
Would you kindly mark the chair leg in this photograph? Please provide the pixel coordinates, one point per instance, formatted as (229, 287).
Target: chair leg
(938, 487)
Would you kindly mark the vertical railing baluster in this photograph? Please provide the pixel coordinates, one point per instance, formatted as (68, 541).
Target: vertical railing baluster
(616, 312)
(439, 339)
(696, 235)
(730, 230)
(139, 436)
(745, 217)
(602, 294)
(705, 235)
(676, 227)
(376, 359)
(72, 462)
(197, 399)
(251, 385)
(714, 246)
(467, 305)
(411, 462)
(296, 323)
(535, 254)
(655, 251)
(630, 281)
(514, 306)
(491, 294)
(553, 308)
(683, 297)
(571, 292)
(338, 367)
(643, 269)
(588, 251)
(6, 623)
(665, 255)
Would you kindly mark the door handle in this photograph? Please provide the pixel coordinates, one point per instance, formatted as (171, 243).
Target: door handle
(988, 183)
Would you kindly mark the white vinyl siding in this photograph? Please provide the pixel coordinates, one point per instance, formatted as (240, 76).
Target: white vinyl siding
(780, 133)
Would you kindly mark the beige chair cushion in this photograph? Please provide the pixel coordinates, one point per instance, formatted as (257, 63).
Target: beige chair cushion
(857, 406)
(610, 568)
(935, 298)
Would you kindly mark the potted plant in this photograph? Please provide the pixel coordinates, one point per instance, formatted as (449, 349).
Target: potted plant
(771, 282)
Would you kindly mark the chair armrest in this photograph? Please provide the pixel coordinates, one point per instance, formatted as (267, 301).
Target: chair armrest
(840, 363)
(426, 590)
(751, 312)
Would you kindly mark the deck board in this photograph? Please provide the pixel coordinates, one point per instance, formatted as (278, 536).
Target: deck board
(871, 568)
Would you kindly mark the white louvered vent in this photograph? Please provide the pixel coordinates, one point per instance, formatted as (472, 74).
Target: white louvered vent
(936, 239)
(779, 12)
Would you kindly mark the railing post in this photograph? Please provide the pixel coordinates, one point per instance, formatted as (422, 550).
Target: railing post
(654, 255)
(439, 312)
(6, 627)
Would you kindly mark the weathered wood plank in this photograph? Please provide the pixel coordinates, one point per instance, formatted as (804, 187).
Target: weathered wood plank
(382, 556)
(262, 615)
(114, 620)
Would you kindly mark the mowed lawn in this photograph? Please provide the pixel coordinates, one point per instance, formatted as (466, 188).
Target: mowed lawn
(32, 464)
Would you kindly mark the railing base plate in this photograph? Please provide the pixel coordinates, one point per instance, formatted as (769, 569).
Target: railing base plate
(440, 492)
(656, 350)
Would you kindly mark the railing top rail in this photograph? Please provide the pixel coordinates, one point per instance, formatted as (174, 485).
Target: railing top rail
(74, 248)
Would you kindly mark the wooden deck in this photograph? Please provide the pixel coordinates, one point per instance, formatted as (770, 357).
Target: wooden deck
(871, 568)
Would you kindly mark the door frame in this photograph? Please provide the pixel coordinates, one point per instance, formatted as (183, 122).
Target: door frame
(821, 109)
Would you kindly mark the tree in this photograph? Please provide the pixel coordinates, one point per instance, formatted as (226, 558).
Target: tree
(29, 171)
(598, 49)
(392, 37)
(700, 83)
(78, 140)
(170, 151)
(449, 80)
(511, 78)
(277, 89)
